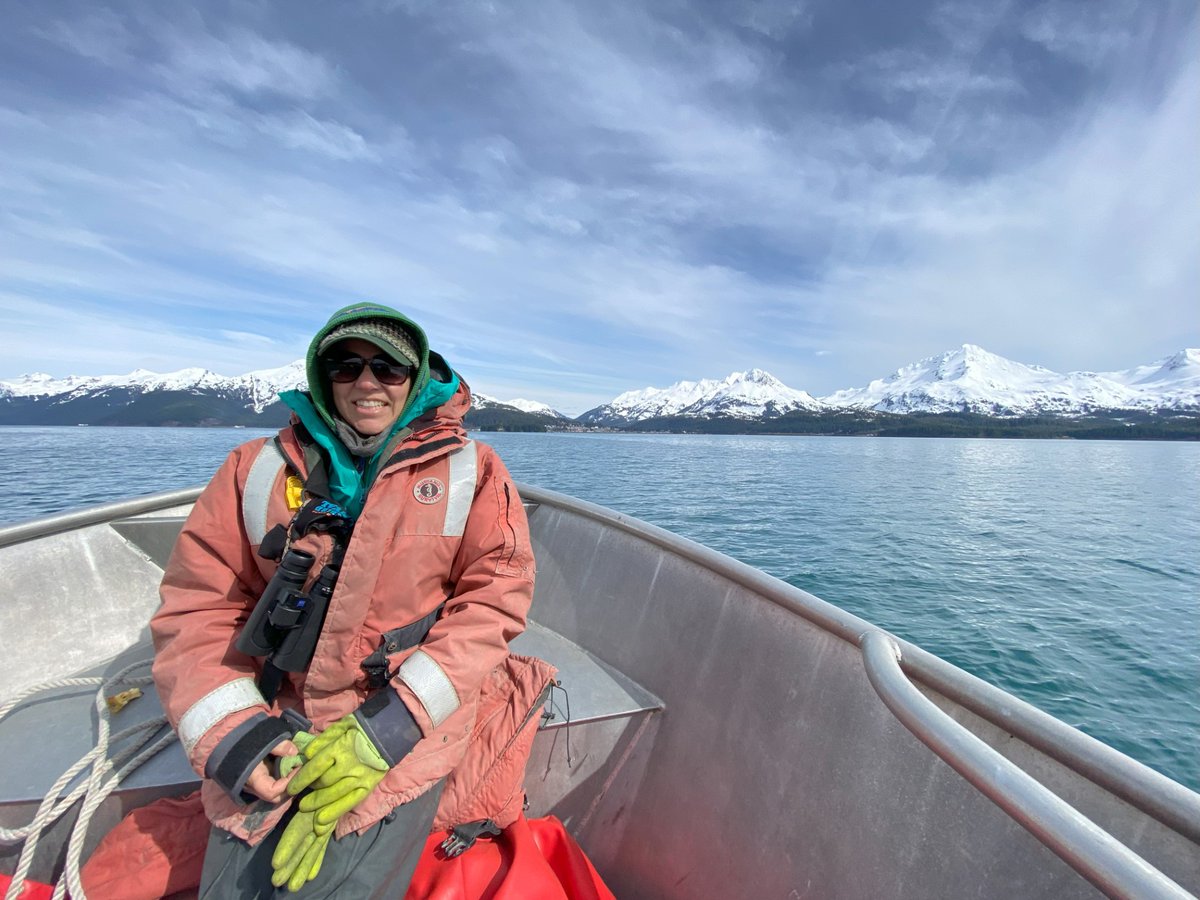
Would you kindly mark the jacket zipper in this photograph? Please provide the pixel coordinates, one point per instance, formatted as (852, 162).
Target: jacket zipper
(508, 523)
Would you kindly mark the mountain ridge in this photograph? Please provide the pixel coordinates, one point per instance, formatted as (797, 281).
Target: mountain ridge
(197, 396)
(967, 380)
(973, 380)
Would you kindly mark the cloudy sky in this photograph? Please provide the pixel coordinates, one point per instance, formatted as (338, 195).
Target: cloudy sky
(582, 198)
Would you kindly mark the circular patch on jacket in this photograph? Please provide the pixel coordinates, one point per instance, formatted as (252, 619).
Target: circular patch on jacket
(429, 490)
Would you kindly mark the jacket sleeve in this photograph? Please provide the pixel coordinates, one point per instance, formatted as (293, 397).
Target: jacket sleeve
(209, 587)
(493, 577)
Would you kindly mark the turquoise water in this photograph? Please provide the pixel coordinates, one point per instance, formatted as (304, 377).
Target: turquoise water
(1065, 572)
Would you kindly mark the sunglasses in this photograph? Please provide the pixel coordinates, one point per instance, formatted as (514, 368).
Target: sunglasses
(349, 368)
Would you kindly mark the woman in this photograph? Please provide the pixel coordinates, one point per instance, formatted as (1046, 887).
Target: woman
(422, 536)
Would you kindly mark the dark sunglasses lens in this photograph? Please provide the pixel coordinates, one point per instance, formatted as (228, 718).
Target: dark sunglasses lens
(344, 371)
(389, 373)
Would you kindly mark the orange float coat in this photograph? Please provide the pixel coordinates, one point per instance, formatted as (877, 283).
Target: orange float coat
(399, 566)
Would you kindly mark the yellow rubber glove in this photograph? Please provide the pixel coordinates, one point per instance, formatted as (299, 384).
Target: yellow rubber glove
(286, 763)
(297, 859)
(343, 766)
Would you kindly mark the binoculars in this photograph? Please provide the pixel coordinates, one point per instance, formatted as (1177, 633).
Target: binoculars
(286, 621)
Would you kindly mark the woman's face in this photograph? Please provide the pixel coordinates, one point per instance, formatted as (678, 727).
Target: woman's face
(367, 405)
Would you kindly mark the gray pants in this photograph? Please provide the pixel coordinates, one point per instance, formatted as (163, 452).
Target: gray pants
(377, 864)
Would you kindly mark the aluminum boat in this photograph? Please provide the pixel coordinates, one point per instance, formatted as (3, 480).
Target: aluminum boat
(719, 733)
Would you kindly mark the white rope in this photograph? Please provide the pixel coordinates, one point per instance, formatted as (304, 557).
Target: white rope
(48, 686)
(93, 801)
(95, 787)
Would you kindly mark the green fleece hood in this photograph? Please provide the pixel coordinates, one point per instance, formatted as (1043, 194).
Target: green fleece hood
(318, 385)
(349, 478)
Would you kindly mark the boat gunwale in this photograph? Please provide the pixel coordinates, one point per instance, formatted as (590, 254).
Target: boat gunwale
(100, 514)
(1163, 799)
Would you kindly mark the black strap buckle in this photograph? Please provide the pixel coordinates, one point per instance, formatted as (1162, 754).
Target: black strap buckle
(376, 667)
(463, 837)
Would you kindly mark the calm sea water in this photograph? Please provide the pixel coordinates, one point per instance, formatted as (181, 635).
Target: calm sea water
(1065, 572)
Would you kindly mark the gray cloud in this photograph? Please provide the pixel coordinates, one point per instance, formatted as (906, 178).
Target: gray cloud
(581, 201)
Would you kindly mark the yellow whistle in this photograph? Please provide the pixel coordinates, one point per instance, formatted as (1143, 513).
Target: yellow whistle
(295, 492)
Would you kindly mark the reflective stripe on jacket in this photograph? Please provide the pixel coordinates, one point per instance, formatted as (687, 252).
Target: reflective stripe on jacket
(421, 541)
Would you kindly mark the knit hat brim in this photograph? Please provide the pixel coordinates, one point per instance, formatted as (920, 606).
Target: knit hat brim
(388, 336)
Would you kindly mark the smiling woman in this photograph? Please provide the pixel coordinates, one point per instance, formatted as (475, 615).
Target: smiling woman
(398, 636)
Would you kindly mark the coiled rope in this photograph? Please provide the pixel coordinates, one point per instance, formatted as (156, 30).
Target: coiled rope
(94, 789)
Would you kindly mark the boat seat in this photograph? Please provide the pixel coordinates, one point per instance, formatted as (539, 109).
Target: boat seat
(593, 690)
(52, 721)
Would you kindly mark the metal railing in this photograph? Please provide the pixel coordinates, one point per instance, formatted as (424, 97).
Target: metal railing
(96, 515)
(1085, 846)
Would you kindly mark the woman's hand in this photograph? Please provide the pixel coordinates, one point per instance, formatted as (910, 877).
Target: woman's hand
(262, 781)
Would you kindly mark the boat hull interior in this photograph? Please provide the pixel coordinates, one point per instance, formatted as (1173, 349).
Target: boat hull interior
(718, 733)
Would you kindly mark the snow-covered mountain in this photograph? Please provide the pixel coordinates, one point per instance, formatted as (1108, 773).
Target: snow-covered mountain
(744, 395)
(483, 401)
(1171, 383)
(970, 379)
(188, 396)
(538, 409)
(259, 389)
